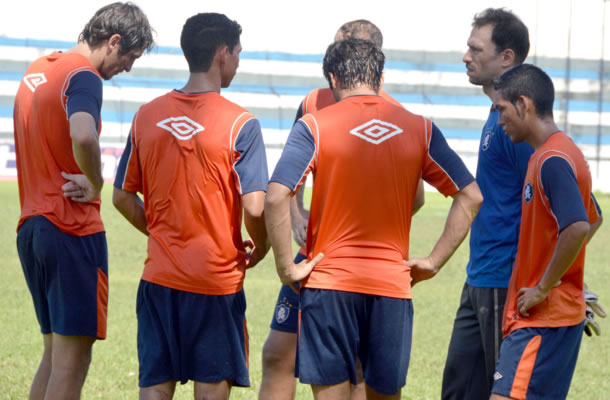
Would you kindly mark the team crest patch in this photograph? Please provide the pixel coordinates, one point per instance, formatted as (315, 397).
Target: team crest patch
(32, 81)
(183, 128)
(281, 313)
(486, 140)
(376, 131)
(528, 192)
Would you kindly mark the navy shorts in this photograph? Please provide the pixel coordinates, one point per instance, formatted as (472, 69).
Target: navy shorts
(538, 362)
(67, 276)
(286, 315)
(186, 336)
(337, 328)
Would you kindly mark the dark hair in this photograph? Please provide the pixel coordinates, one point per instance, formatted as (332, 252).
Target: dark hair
(203, 34)
(509, 32)
(354, 62)
(125, 19)
(362, 29)
(530, 81)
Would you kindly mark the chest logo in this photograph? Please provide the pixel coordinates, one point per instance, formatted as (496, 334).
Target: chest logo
(486, 140)
(376, 131)
(183, 128)
(32, 81)
(528, 192)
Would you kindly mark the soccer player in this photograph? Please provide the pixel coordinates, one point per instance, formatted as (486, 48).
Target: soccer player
(545, 307)
(498, 41)
(367, 155)
(279, 350)
(60, 235)
(199, 160)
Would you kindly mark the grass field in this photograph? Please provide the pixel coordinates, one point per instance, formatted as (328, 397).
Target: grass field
(113, 372)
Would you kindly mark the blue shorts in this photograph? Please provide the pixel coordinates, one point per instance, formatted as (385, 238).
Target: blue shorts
(286, 315)
(538, 362)
(339, 327)
(67, 276)
(189, 336)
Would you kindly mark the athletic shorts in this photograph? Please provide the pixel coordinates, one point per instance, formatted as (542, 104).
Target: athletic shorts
(538, 362)
(186, 336)
(67, 276)
(286, 315)
(337, 328)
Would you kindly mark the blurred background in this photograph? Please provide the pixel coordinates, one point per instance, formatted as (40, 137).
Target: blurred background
(283, 45)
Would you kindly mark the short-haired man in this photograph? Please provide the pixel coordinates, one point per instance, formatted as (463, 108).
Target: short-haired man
(498, 41)
(367, 155)
(545, 307)
(199, 160)
(279, 350)
(61, 240)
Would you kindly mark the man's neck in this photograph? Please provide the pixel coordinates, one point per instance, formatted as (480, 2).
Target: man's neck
(202, 82)
(361, 90)
(542, 130)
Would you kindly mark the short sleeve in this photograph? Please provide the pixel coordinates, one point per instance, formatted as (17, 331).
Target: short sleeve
(84, 94)
(297, 157)
(443, 168)
(251, 166)
(561, 188)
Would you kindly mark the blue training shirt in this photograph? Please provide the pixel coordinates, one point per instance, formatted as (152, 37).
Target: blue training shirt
(494, 235)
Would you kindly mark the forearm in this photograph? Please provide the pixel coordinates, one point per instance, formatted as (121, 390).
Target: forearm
(277, 219)
(86, 147)
(464, 209)
(88, 158)
(300, 194)
(131, 207)
(254, 219)
(569, 243)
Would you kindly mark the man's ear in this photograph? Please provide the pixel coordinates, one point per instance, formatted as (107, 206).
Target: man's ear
(114, 42)
(333, 81)
(508, 58)
(526, 106)
(381, 80)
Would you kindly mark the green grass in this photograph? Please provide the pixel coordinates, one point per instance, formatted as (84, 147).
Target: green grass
(113, 372)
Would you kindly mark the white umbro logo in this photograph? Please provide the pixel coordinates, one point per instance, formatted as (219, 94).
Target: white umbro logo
(528, 192)
(32, 81)
(183, 128)
(497, 376)
(376, 131)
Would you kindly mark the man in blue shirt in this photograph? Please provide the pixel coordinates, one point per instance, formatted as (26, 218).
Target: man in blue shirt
(499, 41)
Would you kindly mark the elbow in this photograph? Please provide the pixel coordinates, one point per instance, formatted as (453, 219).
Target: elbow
(118, 198)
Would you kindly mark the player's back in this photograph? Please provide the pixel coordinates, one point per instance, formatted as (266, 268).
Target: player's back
(43, 144)
(185, 148)
(368, 161)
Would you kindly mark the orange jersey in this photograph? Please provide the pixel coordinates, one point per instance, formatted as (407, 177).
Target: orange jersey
(565, 304)
(43, 145)
(183, 155)
(367, 156)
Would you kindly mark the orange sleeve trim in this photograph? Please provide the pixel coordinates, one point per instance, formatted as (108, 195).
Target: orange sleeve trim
(102, 303)
(525, 368)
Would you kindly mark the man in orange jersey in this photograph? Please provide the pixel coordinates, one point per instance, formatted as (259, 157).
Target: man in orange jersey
(199, 160)
(279, 350)
(545, 307)
(60, 236)
(367, 155)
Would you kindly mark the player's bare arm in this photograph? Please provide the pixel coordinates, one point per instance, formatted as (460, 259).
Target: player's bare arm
(570, 241)
(594, 227)
(277, 219)
(420, 197)
(254, 220)
(299, 217)
(131, 207)
(466, 204)
(86, 150)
